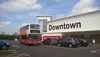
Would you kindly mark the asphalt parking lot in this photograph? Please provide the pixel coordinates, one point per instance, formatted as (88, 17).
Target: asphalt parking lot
(20, 50)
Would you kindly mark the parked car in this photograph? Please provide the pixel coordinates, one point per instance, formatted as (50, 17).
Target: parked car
(83, 42)
(4, 45)
(69, 42)
(50, 41)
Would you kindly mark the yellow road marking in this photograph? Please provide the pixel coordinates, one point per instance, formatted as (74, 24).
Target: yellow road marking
(15, 52)
(2, 56)
(12, 55)
(23, 54)
(17, 55)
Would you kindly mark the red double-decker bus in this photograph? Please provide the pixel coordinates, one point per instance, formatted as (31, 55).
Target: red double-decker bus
(30, 34)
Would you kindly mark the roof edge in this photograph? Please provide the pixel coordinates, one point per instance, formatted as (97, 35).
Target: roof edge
(74, 15)
(43, 16)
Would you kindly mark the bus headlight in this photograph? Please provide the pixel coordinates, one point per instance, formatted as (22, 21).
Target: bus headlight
(29, 42)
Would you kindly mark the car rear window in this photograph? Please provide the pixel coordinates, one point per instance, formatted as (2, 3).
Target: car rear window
(75, 39)
(55, 40)
(82, 39)
(68, 39)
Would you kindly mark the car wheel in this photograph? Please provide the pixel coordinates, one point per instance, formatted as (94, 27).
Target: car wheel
(85, 45)
(51, 43)
(4, 47)
(70, 45)
(59, 44)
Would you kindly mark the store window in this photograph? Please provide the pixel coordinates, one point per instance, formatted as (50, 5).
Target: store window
(43, 25)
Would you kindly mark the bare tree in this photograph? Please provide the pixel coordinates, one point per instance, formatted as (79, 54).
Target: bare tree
(15, 34)
(3, 33)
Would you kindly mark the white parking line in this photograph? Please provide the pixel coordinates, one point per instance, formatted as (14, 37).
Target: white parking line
(16, 46)
(96, 51)
(93, 51)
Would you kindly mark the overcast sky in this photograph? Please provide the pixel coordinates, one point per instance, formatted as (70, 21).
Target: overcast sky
(16, 13)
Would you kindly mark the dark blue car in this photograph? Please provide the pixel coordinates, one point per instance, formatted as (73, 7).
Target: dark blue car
(83, 42)
(4, 45)
(50, 41)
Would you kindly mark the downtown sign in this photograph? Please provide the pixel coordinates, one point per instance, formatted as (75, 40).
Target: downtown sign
(65, 26)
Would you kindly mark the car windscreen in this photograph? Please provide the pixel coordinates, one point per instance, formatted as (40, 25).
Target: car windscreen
(0, 41)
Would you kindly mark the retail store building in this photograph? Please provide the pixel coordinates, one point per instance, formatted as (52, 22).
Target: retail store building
(86, 25)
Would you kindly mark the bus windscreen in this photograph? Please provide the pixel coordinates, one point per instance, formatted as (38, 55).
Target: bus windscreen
(33, 37)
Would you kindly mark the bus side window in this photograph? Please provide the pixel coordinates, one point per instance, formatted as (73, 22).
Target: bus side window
(23, 37)
(20, 37)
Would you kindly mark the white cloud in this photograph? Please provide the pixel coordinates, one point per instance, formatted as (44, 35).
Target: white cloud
(33, 14)
(60, 16)
(23, 24)
(83, 6)
(57, 0)
(15, 5)
(3, 24)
